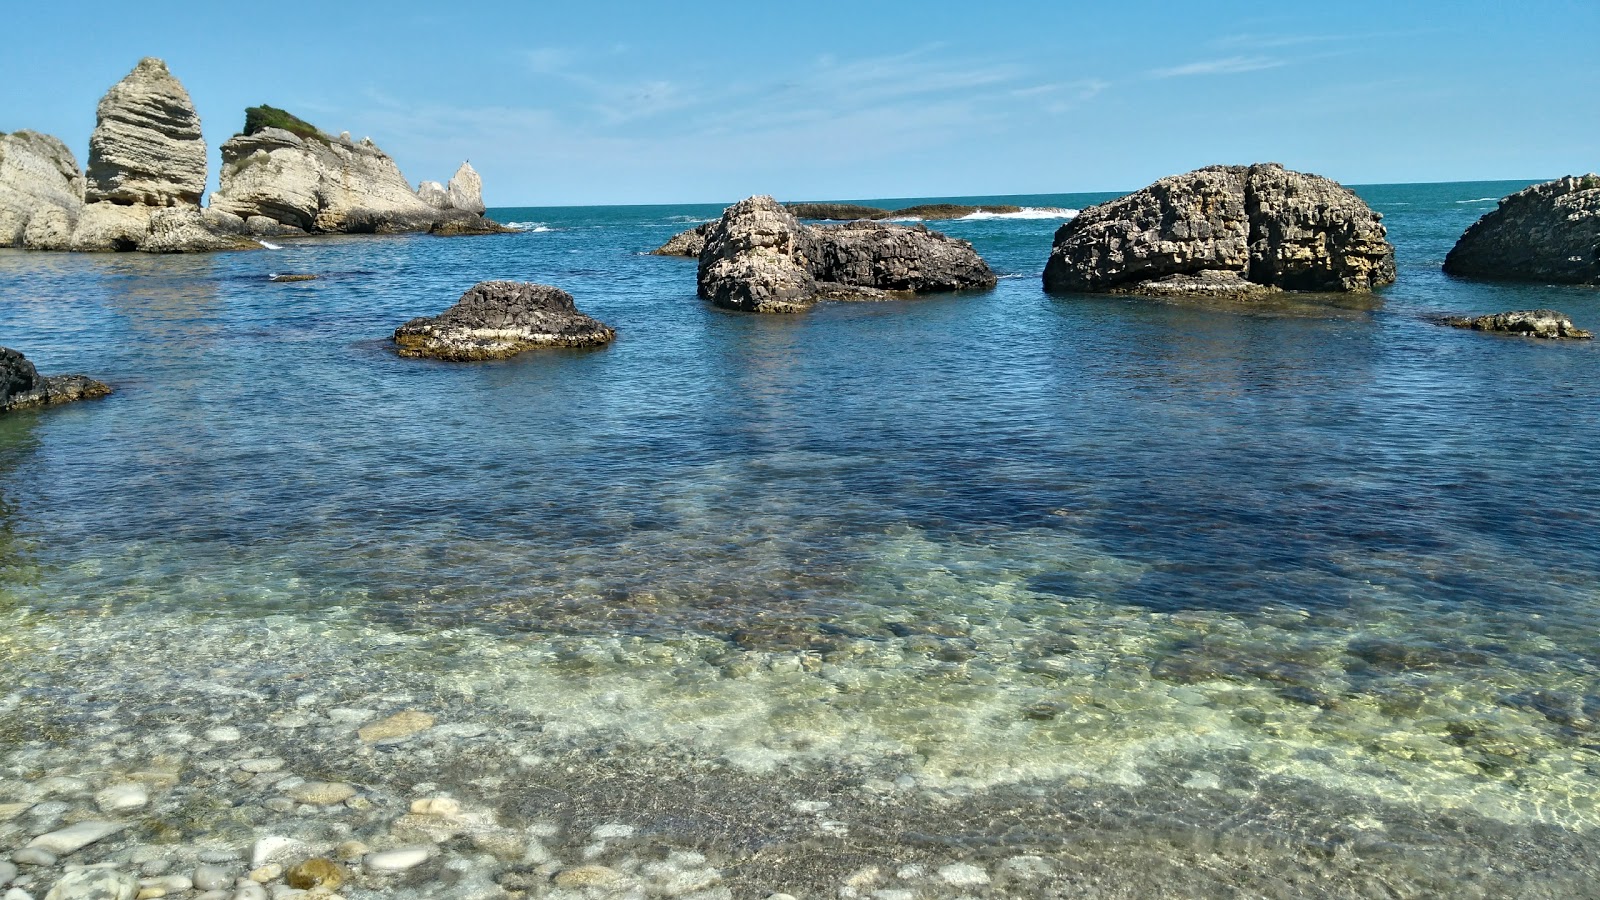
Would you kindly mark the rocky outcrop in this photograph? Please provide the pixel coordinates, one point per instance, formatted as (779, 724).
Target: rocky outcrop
(146, 149)
(22, 387)
(849, 212)
(759, 257)
(41, 192)
(1225, 231)
(496, 319)
(685, 243)
(283, 169)
(1549, 232)
(1538, 323)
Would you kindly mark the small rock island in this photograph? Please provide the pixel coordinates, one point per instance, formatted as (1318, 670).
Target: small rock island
(760, 258)
(497, 319)
(1548, 232)
(1538, 323)
(22, 387)
(1227, 232)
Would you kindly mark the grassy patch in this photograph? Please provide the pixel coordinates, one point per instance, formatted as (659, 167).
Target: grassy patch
(259, 117)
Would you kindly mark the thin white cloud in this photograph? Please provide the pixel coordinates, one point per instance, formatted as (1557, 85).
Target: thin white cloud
(1231, 65)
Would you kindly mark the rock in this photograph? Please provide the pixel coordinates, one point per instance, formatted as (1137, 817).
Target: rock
(316, 872)
(120, 797)
(398, 860)
(274, 848)
(963, 875)
(284, 169)
(74, 837)
(195, 231)
(759, 257)
(587, 876)
(685, 243)
(493, 320)
(212, 878)
(8, 871)
(41, 192)
(33, 856)
(1262, 227)
(322, 793)
(250, 891)
(112, 227)
(1549, 232)
(399, 725)
(433, 194)
(94, 884)
(836, 212)
(465, 190)
(290, 277)
(1539, 323)
(146, 148)
(22, 387)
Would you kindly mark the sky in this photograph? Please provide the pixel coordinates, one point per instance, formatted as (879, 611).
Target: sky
(610, 103)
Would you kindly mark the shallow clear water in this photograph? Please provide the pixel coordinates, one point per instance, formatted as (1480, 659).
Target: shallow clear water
(997, 538)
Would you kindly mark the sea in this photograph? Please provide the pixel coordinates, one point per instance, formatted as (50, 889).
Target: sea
(983, 594)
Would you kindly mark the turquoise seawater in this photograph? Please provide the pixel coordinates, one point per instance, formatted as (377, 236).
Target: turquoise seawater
(1302, 553)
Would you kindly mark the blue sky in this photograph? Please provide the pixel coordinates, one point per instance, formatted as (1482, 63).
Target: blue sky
(599, 102)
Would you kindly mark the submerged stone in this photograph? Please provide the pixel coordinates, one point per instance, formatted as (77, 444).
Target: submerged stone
(1537, 323)
(496, 319)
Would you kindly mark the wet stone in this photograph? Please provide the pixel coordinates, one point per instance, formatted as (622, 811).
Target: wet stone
(212, 878)
(398, 860)
(94, 884)
(322, 793)
(397, 726)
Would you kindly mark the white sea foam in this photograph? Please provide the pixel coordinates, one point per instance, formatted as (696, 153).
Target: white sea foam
(1479, 200)
(533, 227)
(1027, 212)
(268, 244)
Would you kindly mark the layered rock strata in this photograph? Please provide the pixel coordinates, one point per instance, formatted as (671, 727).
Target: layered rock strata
(1548, 232)
(759, 257)
(496, 319)
(22, 387)
(308, 181)
(41, 192)
(1538, 323)
(1225, 231)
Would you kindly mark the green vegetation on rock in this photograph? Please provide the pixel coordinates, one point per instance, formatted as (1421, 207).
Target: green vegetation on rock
(259, 117)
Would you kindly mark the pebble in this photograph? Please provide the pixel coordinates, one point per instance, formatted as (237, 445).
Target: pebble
(436, 806)
(274, 847)
(398, 860)
(9, 811)
(224, 734)
(264, 764)
(316, 872)
(266, 873)
(120, 797)
(16, 894)
(94, 884)
(33, 856)
(220, 856)
(172, 884)
(8, 871)
(213, 895)
(351, 851)
(963, 875)
(250, 891)
(587, 876)
(399, 725)
(212, 878)
(322, 793)
(610, 831)
(62, 784)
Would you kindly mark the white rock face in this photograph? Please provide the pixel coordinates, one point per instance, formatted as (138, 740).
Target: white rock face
(41, 191)
(146, 147)
(433, 194)
(319, 184)
(465, 190)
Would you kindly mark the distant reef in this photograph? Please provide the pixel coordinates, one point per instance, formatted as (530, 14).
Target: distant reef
(849, 212)
(759, 257)
(1549, 232)
(147, 173)
(1227, 232)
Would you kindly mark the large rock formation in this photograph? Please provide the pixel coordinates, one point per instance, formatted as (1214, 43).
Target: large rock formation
(286, 170)
(496, 319)
(41, 192)
(147, 170)
(21, 385)
(1549, 232)
(1538, 323)
(759, 257)
(1225, 231)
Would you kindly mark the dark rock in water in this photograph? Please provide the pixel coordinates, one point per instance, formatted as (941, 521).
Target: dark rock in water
(291, 276)
(1539, 323)
(759, 257)
(949, 211)
(1549, 232)
(496, 319)
(836, 212)
(685, 243)
(21, 385)
(458, 223)
(1224, 231)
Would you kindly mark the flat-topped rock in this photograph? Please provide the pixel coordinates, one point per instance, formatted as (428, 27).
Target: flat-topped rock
(1539, 323)
(1262, 227)
(22, 387)
(1548, 232)
(685, 243)
(41, 191)
(759, 257)
(496, 319)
